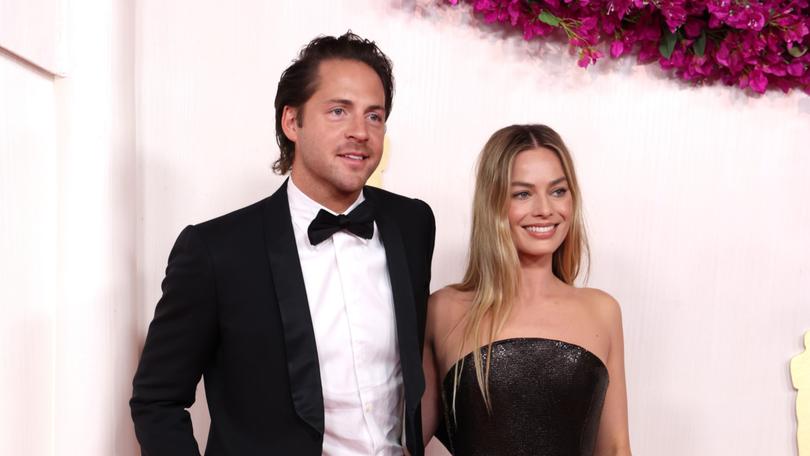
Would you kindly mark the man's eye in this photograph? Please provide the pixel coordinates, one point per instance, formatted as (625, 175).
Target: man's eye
(338, 111)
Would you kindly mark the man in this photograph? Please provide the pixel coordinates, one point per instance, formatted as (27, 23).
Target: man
(306, 323)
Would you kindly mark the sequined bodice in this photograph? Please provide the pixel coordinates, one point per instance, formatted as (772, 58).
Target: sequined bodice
(546, 397)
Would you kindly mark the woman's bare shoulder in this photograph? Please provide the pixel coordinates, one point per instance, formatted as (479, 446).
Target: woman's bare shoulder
(602, 305)
(447, 306)
(449, 299)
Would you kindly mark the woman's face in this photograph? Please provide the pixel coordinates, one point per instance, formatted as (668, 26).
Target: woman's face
(540, 203)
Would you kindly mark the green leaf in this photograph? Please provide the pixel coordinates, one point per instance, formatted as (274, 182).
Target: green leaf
(797, 51)
(547, 17)
(699, 46)
(667, 44)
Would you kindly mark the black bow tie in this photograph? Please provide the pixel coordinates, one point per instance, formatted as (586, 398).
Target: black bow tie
(359, 222)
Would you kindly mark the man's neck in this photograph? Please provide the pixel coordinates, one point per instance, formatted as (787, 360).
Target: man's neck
(336, 202)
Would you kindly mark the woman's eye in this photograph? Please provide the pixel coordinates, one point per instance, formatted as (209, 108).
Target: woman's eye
(560, 192)
(521, 195)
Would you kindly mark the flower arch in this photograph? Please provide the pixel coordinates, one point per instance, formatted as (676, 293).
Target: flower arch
(751, 44)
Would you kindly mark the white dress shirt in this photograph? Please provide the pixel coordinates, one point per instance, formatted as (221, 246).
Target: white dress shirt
(352, 309)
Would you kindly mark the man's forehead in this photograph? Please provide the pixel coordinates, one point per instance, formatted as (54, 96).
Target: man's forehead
(334, 70)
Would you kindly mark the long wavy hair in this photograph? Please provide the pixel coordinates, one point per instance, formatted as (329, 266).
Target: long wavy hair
(493, 268)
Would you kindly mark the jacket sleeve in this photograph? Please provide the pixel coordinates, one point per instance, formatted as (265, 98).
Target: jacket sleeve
(430, 236)
(180, 342)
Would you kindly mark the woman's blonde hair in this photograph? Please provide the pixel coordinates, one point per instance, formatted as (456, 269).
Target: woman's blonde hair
(493, 269)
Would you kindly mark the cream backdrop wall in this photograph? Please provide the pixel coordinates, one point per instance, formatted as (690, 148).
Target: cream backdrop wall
(68, 332)
(28, 235)
(695, 197)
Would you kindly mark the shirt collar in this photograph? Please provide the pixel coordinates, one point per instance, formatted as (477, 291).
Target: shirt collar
(303, 209)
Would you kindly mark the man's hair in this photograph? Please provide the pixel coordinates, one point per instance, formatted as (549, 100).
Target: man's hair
(300, 80)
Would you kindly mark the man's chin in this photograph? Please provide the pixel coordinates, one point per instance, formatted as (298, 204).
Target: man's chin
(353, 184)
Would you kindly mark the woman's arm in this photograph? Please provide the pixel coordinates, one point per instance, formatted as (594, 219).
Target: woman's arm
(431, 400)
(614, 437)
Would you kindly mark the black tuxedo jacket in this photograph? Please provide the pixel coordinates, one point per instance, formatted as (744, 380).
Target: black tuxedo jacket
(234, 310)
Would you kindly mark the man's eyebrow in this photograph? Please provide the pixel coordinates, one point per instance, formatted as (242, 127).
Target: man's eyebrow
(341, 101)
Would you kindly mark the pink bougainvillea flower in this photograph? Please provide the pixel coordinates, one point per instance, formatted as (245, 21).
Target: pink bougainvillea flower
(618, 7)
(758, 81)
(674, 13)
(587, 57)
(616, 48)
(694, 27)
(719, 9)
(796, 69)
(752, 44)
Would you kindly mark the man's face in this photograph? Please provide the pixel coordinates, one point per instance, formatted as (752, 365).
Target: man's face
(338, 143)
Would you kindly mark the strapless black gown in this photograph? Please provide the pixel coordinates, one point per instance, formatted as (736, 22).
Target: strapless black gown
(546, 397)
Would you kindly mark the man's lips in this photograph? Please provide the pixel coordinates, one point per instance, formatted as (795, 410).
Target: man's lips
(353, 156)
(354, 152)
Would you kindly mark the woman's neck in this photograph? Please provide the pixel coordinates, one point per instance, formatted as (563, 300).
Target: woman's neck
(537, 278)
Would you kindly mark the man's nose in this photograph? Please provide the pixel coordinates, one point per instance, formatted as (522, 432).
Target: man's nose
(358, 130)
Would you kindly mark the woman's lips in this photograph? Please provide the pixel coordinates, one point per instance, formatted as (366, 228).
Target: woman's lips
(541, 231)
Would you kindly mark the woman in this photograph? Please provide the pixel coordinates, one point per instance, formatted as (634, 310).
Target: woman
(517, 360)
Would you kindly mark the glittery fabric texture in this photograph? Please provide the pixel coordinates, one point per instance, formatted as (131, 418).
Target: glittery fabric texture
(546, 398)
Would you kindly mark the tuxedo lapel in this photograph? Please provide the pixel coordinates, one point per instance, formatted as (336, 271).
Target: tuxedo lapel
(404, 305)
(299, 336)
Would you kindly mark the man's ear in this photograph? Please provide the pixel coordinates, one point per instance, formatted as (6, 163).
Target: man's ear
(289, 124)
